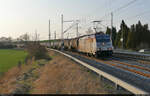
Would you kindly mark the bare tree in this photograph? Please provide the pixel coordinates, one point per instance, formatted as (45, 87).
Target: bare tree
(25, 37)
(36, 36)
(9, 39)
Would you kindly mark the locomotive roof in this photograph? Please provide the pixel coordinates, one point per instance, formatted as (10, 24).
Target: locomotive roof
(100, 33)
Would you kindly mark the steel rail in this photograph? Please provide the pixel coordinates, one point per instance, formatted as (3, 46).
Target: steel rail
(127, 69)
(114, 79)
(136, 66)
(124, 68)
(133, 55)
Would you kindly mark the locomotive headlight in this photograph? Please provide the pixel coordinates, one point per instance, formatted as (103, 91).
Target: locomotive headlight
(98, 49)
(109, 48)
(103, 43)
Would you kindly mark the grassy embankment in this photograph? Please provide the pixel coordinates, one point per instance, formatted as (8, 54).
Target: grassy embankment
(10, 58)
(60, 75)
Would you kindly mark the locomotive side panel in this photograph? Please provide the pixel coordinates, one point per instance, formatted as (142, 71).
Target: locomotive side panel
(91, 47)
(81, 45)
(87, 44)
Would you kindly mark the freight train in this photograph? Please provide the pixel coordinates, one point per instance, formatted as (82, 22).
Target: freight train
(98, 44)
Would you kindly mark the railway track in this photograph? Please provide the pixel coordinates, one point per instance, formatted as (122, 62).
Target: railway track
(138, 62)
(143, 71)
(133, 74)
(118, 64)
(136, 57)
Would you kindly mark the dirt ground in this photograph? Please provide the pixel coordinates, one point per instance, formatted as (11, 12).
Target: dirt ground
(60, 75)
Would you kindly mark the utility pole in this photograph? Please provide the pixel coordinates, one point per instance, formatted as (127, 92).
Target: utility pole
(49, 33)
(62, 31)
(122, 39)
(111, 24)
(77, 29)
(55, 35)
(35, 35)
(68, 36)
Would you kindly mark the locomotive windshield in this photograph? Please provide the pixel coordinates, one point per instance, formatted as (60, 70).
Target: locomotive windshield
(102, 38)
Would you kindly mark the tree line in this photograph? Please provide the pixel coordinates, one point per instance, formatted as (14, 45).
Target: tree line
(135, 37)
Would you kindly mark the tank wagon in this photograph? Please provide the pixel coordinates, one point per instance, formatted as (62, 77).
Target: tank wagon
(67, 44)
(98, 44)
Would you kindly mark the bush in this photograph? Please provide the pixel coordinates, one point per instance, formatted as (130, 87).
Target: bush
(38, 51)
(6, 46)
(1, 74)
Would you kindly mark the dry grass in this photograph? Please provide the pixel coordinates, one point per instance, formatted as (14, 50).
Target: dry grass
(62, 75)
(8, 80)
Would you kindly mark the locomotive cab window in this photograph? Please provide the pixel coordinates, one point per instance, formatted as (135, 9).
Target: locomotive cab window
(103, 40)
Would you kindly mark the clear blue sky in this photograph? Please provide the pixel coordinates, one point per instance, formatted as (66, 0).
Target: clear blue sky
(20, 16)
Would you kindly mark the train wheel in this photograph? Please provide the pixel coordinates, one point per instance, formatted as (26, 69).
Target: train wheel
(92, 55)
(89, 54)
(96, 55)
